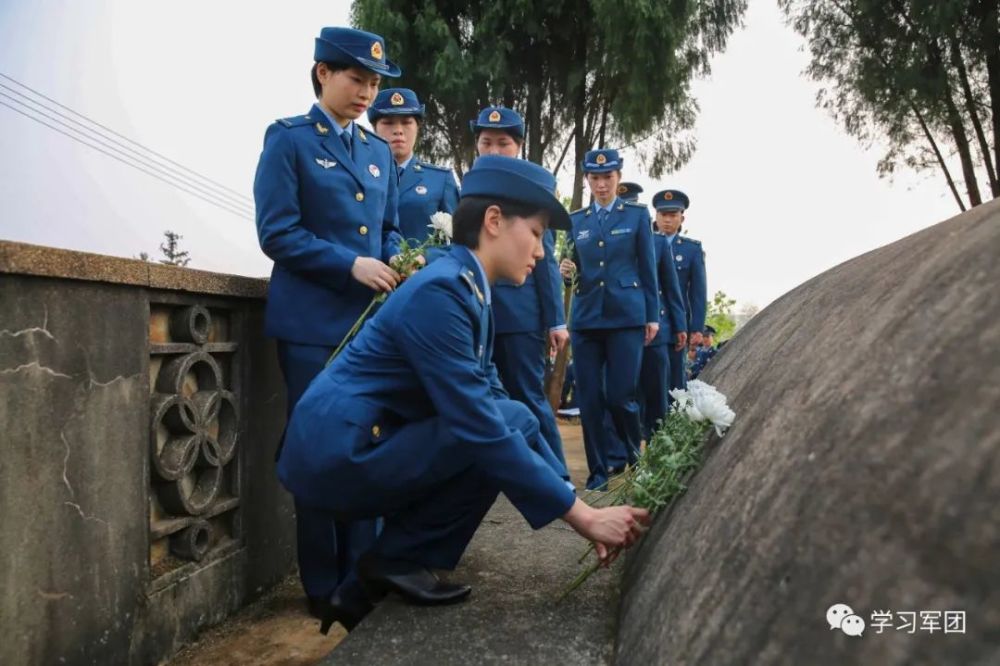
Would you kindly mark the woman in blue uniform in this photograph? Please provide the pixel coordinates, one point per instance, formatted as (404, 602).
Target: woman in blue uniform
(615, 312)
(530, 324)
(410, 423)
(424, 188)
(325, 192)
(654, 380)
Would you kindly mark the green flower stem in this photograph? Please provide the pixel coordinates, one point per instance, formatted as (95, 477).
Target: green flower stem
(356, 327)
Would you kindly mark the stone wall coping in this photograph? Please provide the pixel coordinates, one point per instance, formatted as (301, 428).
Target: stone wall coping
(44, 261)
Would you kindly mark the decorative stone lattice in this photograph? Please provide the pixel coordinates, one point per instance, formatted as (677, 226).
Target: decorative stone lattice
(194, 433)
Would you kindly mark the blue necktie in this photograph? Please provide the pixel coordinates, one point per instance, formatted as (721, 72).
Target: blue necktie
(602, 216)
(345, 136)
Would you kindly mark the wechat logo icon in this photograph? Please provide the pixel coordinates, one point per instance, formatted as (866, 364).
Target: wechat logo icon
(841, 616)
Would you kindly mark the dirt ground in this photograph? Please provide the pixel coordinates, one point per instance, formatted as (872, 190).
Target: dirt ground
(276, 630)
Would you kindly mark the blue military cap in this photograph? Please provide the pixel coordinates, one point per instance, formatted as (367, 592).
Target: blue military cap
(629, 191)
(517, 180)
(348, 46)
(499, 118)
(709, 330)
(395, 102)
(602, 160)
(671, 200)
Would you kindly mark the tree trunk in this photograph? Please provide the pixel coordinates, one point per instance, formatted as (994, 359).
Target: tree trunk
(970, 108)
(954, 120)
(939, 156)
(989, 35)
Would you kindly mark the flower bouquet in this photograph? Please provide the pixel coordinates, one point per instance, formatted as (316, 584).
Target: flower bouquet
(409, 260)
(672, 453)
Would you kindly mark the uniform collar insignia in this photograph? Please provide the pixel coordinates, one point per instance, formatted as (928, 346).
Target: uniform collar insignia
(589, 210)
(621, 206)
(322, 129)
(417, 167)
(361, 133)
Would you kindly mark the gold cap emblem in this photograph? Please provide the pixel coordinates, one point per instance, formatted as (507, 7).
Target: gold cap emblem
(396, 99)
(377, 50)
(667, 196)
(601, 159)
(622, 189)
(494, 116)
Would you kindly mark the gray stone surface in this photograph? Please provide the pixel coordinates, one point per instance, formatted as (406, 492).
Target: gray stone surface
(863, 468)
(513, 616)
(75, 569)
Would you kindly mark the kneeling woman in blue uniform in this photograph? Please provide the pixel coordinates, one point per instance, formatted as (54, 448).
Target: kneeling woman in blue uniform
(615, 312)
(410, 423)
(326, 214)
(424, 188)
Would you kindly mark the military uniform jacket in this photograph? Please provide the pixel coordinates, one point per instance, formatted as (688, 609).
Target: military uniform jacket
(536, 305)
(689, 260)
(673, 314)
(616, 285)
(424, 189)
(317, 210)
(345, 450)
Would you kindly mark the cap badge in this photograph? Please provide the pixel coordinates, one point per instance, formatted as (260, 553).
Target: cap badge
(377, 50)
(494, 116)
(667, 196)
(622, 189)
(396, 99)
(601, 159)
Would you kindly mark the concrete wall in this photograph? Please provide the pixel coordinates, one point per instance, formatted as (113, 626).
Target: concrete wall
(140, 407)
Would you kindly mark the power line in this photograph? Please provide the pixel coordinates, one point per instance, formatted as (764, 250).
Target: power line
(140, 167)
(121, 136)
(128, 152)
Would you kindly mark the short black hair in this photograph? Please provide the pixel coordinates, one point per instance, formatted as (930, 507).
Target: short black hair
(332, 66)
(467, 220)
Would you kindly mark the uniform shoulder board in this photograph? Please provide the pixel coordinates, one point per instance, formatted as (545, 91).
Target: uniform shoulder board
(690, 240)
(636, 204)
(579, 210)
(296, 121)
(373, 135)
(470, 279)
(435, 167)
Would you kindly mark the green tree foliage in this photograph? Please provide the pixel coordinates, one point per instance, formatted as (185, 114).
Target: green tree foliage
(922, 75)
(720, 316)
(170, 248)
(582, 72)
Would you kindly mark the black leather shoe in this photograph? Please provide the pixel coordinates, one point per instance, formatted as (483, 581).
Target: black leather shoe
(416, 584)
(347, 612)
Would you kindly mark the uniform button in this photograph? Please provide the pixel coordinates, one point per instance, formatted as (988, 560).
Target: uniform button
(602, 283)
(635, 284)
(600, 243)
(360, 196)
(363, 230)
(376, 431)
(600, 263)
(663, 312)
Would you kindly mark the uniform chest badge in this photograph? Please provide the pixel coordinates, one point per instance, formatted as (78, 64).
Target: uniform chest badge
(618, 232)
(326, 164)
(583, 235)
(420, 189)
(374, 171)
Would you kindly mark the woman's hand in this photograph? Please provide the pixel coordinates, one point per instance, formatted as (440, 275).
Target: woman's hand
(611, 529)
(374, 274)
(567, 268)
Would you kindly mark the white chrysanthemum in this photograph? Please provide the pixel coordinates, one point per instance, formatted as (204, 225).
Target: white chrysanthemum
(441, 222)
(711, 405)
